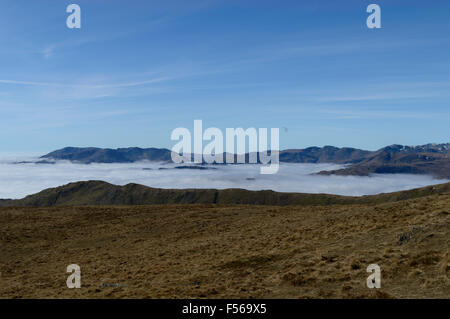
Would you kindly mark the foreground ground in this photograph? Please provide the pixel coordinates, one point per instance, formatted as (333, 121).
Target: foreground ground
(208, 251)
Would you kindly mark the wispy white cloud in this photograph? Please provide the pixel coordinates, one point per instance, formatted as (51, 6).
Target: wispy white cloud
(88, 86)
(381, 114)
(276, 50)
(378, 97)
(49, 50)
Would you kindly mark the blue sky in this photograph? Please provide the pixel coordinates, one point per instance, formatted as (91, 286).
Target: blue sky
(136, 70)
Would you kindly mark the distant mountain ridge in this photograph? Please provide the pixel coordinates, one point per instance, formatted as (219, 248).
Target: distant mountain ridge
(433, 159)
(443, 148)
(99, 193)
(326, 154)
(106, 155)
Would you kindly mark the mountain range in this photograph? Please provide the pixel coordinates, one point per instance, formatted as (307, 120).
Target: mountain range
(432, 159)
(89, 155)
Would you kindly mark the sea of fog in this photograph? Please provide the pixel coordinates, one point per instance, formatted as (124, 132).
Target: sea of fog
(20, 179)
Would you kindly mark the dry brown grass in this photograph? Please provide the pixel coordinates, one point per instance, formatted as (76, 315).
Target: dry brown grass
(207, 251)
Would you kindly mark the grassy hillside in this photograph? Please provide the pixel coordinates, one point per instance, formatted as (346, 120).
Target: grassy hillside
(225, 251)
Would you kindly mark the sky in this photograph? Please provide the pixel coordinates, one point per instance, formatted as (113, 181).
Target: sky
(136, 70)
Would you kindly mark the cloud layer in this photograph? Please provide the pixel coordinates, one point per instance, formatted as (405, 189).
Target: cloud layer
(19, 180)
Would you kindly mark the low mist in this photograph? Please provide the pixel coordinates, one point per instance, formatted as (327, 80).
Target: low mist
(18, 180)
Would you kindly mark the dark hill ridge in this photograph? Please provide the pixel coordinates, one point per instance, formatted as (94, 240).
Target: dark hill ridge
(98, 193)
